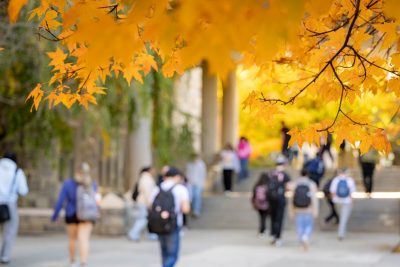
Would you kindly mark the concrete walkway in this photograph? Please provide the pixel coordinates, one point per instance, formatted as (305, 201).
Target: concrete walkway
(208, 248)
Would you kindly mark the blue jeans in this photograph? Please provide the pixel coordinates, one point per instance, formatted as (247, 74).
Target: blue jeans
(305, 225)
(244, 169)
(196, 199)
(170, 248)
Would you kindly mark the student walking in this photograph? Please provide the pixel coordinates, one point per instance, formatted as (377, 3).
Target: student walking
(80, 200)
(368, 162)
(12, 184)
(304, 207)
(277, 185)
(329, 199)
(196, 173)
(145, 187)
(230, 166)
(342, 188)
(243, 152)
(259, 201)
(169, 202)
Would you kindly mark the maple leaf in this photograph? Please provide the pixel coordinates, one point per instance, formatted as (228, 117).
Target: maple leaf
(14, 7)
(85, 99)
(49, 20)
(380, 141)
(57, 58)
(36, 94)
(132, 71)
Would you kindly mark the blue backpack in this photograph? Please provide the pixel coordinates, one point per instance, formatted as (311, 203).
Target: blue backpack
(343, 189)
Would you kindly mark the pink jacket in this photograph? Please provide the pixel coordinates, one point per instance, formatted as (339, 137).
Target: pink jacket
(244, 150)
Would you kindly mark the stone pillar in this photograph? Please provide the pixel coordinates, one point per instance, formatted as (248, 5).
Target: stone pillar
(209, 115)
(139, 149)
(230, 114)
(139, 141)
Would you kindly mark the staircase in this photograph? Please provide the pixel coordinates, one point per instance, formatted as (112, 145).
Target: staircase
(234, 210)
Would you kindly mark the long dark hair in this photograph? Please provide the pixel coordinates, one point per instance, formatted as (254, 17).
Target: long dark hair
(262, 180)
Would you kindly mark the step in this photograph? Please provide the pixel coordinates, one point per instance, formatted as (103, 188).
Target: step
(235, 212)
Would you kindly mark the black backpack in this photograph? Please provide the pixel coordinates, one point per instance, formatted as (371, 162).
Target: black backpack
(275, 188)
(302, 198)
(162, 218)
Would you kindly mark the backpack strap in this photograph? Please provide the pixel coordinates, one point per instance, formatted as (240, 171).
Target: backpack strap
(13, 182)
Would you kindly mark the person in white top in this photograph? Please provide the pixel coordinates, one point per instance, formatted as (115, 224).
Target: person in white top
(170, 243)
(146, 185)
(196, 173)
(342, 188)
(230, 166)
(12, 184)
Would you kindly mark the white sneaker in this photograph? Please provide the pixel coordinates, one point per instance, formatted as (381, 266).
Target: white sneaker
(278, 243)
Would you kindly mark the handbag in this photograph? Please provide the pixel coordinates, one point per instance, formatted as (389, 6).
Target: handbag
(4, 209)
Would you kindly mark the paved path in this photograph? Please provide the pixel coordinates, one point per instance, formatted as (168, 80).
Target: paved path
(207, 248)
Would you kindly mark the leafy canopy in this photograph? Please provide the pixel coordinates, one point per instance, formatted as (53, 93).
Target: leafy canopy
(335, 51)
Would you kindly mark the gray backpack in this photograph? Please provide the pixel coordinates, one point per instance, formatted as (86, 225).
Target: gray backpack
(87, 209)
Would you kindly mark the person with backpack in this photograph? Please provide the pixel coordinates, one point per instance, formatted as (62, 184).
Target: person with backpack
(141, 195)
(277, 186)
(169, 202)
(304, 207)
(342, 188)
(315, 168)
(79, 198)
(329, 199)
(12, 185)
(259, 201)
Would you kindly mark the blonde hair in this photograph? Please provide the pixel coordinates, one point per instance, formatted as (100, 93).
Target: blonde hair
(83, 175)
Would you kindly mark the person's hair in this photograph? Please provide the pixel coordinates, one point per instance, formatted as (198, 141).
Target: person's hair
(11, 155)
(172, 172)
(228, 147)
(304, 172)
(193, 156)
(243, 138)
(83, 176)
(263, 179)
(145, 169)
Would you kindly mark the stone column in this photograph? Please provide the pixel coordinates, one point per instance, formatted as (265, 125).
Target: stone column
(230, 114)
(139, 141)
(209, 115)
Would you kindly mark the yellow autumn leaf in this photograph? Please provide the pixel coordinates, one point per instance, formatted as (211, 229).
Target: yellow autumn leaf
(85, 99)
(36, 94)
(14, 7)
(50, 20)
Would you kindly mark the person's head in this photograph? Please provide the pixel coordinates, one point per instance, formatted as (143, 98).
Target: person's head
(243, 139)
(12, 156)
(193, 156)
(164, 170)
(228, 147)
(148, 169)
(283, 124)
(281, 162)
(343, 171)
(82, 175)
(304, 172)
(263, 179)
(173, 173)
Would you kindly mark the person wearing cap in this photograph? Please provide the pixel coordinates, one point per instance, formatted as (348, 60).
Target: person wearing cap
(170, 243)
(12, 184)
(78, 231)
(277, 186)
(342, 188)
